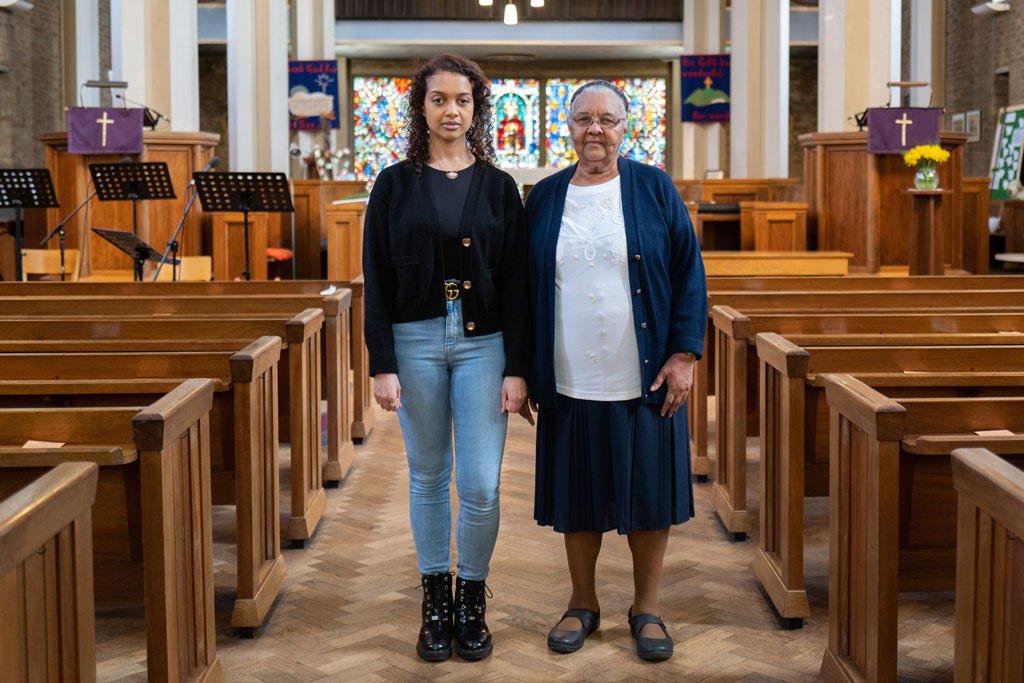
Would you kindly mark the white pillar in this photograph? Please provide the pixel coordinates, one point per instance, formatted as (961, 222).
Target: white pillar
(858, 53)
(920, 50)
(760, 89)
(258, 84)
(703, 33)
(313, 39)
(183, 49)
(154, 47)
(87, 51)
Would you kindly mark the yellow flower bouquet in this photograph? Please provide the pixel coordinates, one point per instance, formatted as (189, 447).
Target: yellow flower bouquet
(924, 157)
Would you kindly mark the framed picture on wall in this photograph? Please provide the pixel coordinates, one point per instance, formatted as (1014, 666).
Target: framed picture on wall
(974, 125)
(958, 124)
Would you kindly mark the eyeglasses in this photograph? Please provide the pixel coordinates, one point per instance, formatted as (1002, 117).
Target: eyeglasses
(586, 121)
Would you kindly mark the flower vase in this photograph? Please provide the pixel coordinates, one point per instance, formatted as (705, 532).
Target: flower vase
(926, 178)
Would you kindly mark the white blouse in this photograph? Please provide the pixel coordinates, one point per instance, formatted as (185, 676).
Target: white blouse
(596, 355)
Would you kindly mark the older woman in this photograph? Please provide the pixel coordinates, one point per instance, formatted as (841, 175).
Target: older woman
(444, 256)
(618, 288)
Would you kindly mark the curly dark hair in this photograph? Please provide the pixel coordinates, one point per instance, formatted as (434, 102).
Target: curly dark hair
(479, 135)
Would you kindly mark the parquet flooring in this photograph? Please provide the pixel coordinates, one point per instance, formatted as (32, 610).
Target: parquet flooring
(349, 610)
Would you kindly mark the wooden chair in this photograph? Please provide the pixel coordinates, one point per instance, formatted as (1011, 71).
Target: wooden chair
(47, 262)
(192, 269)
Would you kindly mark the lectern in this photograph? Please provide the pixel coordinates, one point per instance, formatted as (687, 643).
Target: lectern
(856, 201)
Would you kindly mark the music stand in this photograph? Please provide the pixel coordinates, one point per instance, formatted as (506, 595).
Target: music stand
(245, 192)
(146, 180)
(133, 246)
(25, 188)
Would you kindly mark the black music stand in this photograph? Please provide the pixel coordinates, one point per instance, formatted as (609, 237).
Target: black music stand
(146, 180)
(25, 188)
(133, 246)
(245, 192)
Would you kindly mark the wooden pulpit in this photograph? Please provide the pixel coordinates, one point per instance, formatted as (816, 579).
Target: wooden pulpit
(184, 153)
(345, 240)
(311, 199)
(856, 201)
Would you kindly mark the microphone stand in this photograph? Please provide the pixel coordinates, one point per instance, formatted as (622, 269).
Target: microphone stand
(59, 230)
(172, 246)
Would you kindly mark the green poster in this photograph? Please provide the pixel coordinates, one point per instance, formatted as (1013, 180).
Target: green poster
(1007, 153)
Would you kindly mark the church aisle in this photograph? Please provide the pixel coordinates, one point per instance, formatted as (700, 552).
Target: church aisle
(349, 609)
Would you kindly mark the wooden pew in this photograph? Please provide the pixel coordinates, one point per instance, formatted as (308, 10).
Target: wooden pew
(795, 435)
(989, 628)
(308, 500)
(243, 450)
(736, 384)
(152, 526)
(860, 301)
(138, 334)
(892, 510)
(857, 282)
(305, 429)
(727, 265)
(48, 632)
(342, 322)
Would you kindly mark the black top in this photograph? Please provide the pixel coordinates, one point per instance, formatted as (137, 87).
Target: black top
(449, 195)
(402, 262)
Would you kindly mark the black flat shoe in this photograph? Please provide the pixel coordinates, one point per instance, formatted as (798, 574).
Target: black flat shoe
(564, 641)
(649, 649)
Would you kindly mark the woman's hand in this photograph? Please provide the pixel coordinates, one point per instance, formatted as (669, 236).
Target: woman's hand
(677, 373)
(513, 398)
(387, 392)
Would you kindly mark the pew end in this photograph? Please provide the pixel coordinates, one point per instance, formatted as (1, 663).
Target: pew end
(46, 560)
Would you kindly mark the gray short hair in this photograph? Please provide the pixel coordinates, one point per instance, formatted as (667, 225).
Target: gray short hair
(590, 85)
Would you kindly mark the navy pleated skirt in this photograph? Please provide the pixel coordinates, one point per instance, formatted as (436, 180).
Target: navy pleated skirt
(604, 465)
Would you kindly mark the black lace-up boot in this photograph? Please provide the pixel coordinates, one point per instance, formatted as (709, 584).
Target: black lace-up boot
(435, 643)
(470, 628)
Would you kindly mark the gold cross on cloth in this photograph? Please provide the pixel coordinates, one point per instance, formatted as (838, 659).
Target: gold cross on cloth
(105, 122)
(707, 82)
(903, 122)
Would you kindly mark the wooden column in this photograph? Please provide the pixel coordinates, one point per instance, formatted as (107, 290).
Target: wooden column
(927, 243)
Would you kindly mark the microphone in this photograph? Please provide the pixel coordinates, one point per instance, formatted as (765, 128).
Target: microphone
(211, 164)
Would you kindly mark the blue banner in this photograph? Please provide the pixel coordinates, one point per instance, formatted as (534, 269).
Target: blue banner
(312, 94)
(705, 88)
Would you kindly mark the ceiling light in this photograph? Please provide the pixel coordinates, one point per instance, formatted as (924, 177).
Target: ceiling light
(15, 4)
(536, 3)
(987, 8)
(511, 14)
(486, 3)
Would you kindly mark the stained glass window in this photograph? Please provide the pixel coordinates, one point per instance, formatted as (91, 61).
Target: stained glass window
(379, 113)
(560, 151)
(516, 122)
(645, 135)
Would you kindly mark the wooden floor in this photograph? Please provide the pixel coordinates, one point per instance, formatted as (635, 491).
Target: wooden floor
(349, 610)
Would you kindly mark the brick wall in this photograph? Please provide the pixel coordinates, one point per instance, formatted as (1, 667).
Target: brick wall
(30, 92)
(803, 108)
(976, 46)
(213, 100)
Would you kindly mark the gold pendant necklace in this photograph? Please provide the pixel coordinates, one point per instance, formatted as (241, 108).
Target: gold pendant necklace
(451, 175)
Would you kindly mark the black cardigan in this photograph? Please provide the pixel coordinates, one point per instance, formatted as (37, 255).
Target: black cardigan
(402, 263)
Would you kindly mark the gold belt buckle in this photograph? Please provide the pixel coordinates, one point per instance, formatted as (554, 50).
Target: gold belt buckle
(451, 291)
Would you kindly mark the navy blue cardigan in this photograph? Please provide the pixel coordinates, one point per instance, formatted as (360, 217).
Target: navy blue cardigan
(666, 273)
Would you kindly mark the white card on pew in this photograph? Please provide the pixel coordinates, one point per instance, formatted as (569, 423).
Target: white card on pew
(994, 432)
(32, 443)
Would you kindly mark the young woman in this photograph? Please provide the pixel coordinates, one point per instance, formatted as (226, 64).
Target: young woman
(444, 258)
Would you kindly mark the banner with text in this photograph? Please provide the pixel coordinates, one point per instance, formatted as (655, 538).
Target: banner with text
(104, 130)
(705, 88)
(894, 131)
(312, 94)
